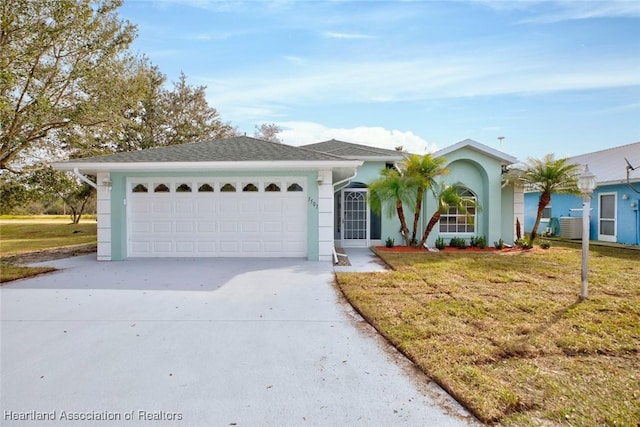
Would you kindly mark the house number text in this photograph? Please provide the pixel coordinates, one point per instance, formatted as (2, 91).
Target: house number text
(313, 203)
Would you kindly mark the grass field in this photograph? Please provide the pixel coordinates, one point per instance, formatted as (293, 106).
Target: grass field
(22, 235)
(29, 234)
(507, 335)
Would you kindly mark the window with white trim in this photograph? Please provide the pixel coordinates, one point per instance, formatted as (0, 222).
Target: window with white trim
(456, 220)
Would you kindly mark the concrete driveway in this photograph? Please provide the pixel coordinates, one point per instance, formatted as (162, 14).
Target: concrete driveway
(201, 342)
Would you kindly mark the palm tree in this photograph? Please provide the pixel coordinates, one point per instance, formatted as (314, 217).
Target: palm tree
(424, 170)
(448, 196)
(393, 190)
(548, 176)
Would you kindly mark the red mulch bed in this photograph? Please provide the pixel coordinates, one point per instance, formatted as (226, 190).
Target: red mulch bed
(449, 249)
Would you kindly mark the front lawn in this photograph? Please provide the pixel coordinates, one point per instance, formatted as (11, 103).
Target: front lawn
(508, 337)
(25, 235)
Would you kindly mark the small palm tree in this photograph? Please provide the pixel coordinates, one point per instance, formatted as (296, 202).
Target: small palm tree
(393, 190)
(448, 196)
(424, 170)
(548, 176)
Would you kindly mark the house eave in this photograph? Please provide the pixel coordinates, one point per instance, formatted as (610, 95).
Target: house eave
(95, 167)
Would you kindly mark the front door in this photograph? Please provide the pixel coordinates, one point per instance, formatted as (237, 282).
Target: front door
(607, 217)
(355, 217)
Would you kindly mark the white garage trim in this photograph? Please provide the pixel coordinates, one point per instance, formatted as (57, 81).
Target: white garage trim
(217, 217)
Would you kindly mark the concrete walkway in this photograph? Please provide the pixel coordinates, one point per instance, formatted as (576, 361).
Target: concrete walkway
(201, 342)
(362, 260)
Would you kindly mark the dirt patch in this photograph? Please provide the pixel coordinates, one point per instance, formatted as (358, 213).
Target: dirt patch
(51, 254)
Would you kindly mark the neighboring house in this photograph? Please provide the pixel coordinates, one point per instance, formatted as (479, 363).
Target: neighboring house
(244, 197)
(235, 197)
(614, 205)
(478, 167)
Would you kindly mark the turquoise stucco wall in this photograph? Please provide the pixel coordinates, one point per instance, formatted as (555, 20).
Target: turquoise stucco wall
(482, 174)
(119, 209)
(508, 212)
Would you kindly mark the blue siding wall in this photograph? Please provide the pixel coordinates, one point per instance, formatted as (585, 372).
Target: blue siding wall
(627, 202)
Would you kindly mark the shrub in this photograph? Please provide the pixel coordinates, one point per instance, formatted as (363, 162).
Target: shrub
(389, 243)
(479, 241)
(440, 243)
(458, 242)
(499, 244)
(545, 244)
(524, 243)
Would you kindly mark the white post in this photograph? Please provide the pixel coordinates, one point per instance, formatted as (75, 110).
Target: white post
(586, 207)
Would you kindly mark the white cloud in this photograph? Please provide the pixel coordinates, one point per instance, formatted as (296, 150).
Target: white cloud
(302, 133)
(547, 12)
(334, 35)
(500, 73)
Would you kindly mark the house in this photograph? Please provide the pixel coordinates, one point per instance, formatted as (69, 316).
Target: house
(244, 197)
(614, 205)
(235, 197)
(477, 166)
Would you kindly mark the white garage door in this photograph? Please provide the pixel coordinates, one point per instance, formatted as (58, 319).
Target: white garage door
(237, 217)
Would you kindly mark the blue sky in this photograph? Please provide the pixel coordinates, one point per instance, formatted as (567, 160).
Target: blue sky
(557, 77)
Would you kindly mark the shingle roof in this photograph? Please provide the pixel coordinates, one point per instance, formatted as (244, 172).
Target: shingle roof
(609, 165)
(349, 150)
(235, 149)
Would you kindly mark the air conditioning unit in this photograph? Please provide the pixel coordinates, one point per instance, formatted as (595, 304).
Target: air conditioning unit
(571, 227)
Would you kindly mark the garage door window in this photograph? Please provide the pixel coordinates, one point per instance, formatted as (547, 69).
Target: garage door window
(294, 187)
(183, 188)
(161, 188)
(205, 188)
(139, 188)
(272, 188)
(228, 188)
(249, 187)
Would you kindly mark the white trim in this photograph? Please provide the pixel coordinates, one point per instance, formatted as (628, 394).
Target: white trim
(475, 145)
(346, 243)
(608, 237)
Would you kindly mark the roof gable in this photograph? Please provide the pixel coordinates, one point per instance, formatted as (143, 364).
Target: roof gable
(504, 158)
(349, 150)
(609, 165)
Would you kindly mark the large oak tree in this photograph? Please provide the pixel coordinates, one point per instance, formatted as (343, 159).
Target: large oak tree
(62, 64)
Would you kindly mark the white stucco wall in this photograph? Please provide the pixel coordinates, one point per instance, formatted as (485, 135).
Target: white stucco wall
(104, 216)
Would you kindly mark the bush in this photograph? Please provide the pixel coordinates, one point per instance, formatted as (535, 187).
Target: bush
(545, 244)
(458, 242)
(524, 243)
(479, 241)
(440, 243)
(389, 243)
(499, 244)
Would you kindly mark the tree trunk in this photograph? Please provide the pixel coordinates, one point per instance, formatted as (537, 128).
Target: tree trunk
(416, 216)
(432, 223)
(545, 198)
(403, 223)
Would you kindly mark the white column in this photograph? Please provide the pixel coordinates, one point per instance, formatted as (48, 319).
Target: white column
(518, 209)
(325, 215)
(104, 216)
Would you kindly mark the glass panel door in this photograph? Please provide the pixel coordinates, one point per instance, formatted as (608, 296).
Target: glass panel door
(607, 217)
(355, 218)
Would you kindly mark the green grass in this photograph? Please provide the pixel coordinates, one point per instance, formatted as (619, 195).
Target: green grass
(507, 335)
(38, 233)
(22, 235)
(9, 272)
